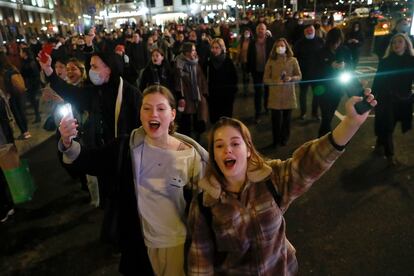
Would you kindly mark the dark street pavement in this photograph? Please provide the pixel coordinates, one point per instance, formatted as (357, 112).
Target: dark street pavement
(356, 220)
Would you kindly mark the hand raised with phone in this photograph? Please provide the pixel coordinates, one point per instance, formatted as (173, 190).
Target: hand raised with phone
(68, 125)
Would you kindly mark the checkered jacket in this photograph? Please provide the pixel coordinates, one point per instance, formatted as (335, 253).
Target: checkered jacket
(247, 235)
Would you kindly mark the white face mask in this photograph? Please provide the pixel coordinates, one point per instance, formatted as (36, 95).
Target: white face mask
(281, 50)
(95, 77)
(310, 36)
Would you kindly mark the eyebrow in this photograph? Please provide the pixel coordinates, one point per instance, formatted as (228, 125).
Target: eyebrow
(159, 104)
(231, 138)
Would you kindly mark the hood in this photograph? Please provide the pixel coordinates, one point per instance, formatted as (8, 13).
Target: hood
(213, 191)
(138, 136)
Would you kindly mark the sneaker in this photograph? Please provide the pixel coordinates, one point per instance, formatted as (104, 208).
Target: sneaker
(4, 216)
(24, 136)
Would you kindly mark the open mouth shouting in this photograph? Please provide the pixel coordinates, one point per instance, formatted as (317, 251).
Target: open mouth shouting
(154, 125)
(229, 163)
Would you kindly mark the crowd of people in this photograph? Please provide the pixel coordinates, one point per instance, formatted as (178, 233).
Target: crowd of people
(141, 99)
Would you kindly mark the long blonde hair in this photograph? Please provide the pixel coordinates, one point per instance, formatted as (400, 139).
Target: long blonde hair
(408, 49)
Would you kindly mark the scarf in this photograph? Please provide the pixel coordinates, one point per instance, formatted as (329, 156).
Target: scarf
(217, 61)
(190, 66)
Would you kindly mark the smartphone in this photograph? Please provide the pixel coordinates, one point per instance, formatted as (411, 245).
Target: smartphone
(283, 76)
(356, 89)
(66, 110)
(46, 49)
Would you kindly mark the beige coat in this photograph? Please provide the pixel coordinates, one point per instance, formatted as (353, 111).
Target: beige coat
(282, 94)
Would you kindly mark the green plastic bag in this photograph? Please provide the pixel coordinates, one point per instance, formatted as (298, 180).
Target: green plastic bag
(20, 183)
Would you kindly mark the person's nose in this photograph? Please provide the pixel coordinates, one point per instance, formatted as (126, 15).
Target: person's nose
(227, 149)
(153, 112)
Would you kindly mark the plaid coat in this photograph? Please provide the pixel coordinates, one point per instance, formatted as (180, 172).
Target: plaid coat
(247, 235)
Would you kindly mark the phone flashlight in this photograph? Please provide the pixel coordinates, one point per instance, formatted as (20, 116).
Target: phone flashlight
(66, 110)
(345, 77)
(354, 88)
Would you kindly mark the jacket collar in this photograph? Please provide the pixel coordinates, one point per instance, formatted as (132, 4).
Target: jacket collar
(213, 192)
(138, 136)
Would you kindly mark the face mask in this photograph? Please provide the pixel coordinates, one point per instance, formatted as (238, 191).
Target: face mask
(281, 50)
(95, 78)
(310, 36)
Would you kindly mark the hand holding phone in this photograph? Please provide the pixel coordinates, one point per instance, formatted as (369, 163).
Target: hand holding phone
(46, 50)
(283, 76)
(66, 111)
(354, 87)
(67, 127)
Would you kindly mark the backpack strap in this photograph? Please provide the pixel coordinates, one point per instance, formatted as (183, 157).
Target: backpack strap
(272, 189)
(206, 211)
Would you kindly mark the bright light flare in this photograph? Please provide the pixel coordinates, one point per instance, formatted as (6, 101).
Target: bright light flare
(345, 77)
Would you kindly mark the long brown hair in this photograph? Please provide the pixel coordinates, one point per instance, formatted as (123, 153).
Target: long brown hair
(255, 161)
(289, 51)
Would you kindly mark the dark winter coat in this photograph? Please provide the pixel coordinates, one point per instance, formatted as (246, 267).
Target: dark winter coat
(99, 101)
(327, 84)
(392, 89)
(306, 51)
(222, 87)
(138, 56)
(157, 74)
(31, 74)
(251, 53)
